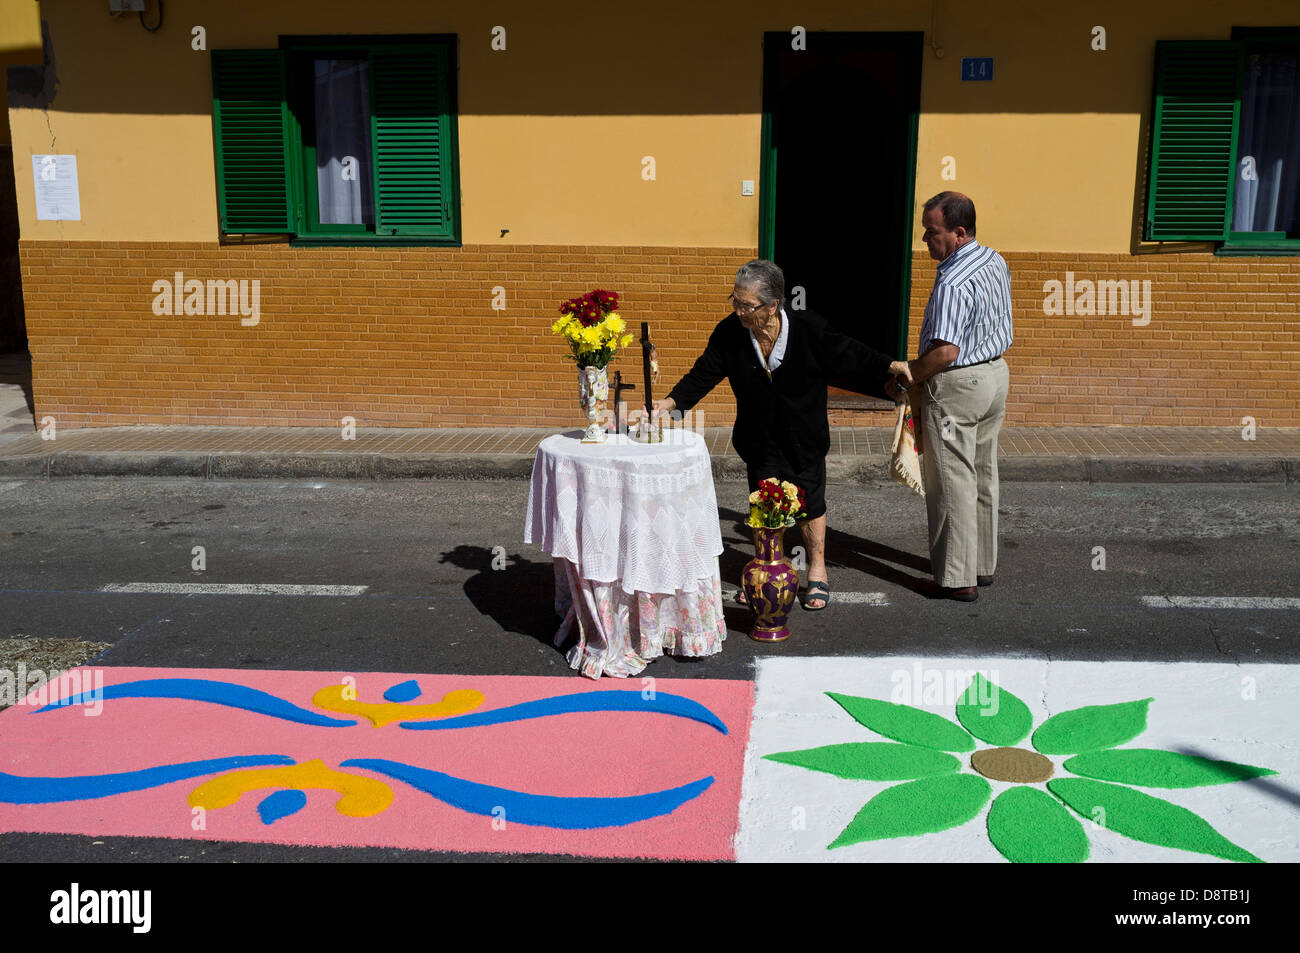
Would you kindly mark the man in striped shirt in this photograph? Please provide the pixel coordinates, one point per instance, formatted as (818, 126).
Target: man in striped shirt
(963, 382)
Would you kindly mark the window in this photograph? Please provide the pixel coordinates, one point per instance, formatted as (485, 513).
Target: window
(1266, 197)
(338, 147)
(339, 141)
(1225, 157)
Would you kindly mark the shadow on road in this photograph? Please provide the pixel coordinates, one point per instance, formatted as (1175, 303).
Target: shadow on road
(519, 597)
(843, 550)
(1267, 785)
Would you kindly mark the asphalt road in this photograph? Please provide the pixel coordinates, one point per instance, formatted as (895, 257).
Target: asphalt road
(435, 604)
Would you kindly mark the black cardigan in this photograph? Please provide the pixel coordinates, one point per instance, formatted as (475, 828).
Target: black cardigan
(787, 412)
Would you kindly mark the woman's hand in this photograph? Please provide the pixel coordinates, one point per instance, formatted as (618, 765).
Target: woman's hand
(664, 407)
(902, 369)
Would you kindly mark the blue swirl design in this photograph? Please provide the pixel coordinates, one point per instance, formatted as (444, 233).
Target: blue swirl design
(234, 695)
(230, 694)
(281, 804)
(660, 702)
(403, 691)
(567, 813)
(538, 810)
(19, 790)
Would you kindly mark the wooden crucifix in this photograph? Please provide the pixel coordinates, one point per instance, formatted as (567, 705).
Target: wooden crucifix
(650, 365)
(618, 389)
(647, 349)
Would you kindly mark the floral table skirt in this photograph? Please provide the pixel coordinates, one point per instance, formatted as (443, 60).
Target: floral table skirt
(619, 633)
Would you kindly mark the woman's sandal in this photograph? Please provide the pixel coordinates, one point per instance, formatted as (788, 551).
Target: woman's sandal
(817, 590)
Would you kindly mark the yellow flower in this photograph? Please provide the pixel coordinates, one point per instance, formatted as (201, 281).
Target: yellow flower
(753, 497)
(791, 491)
(616, 324)
(627, 341)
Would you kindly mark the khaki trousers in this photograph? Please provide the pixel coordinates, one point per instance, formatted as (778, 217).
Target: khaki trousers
(961, 414)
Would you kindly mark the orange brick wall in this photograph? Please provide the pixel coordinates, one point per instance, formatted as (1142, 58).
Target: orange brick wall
(1223, 342)
(392, 337)
(408, 337)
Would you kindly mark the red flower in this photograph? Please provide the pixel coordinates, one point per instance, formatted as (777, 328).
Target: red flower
(592, 307)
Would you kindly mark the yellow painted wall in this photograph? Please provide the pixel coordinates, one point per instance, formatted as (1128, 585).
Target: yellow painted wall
(20, 25)
(20, 44)
(552, 131)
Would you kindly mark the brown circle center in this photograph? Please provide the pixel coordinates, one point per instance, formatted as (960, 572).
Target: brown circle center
(1012, 764)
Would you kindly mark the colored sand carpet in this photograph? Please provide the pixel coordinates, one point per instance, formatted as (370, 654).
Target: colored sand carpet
(501, 764)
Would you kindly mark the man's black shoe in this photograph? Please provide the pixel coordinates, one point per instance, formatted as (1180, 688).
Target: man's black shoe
(935, 591)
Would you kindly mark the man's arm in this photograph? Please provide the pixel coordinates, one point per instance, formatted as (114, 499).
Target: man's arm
(939, 356)
(952, 311)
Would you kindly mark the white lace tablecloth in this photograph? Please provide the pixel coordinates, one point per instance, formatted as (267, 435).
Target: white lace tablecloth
(634, 532)
(642, 515)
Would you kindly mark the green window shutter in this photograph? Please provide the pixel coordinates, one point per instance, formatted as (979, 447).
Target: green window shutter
(413, 135)
(250, 119)
(1194, 140)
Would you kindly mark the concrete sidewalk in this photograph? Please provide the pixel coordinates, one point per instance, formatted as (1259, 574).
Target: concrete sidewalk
(858, 454)
(1056, 454)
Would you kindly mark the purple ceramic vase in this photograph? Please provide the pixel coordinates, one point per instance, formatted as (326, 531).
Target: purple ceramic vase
(770, 584)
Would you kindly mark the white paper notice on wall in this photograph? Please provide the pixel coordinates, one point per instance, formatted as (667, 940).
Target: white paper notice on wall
(57, 197)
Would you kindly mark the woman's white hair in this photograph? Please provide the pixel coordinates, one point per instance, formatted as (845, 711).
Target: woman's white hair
(764, 278)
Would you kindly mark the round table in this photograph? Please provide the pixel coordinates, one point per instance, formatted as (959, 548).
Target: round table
(633, 530)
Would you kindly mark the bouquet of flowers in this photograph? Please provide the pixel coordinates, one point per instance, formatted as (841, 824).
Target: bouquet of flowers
(775, 504)
(592, 328)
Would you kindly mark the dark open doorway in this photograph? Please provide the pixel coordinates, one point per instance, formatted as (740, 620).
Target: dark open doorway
(838, 176)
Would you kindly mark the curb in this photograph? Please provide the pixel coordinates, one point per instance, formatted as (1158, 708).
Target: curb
(867, 468)
(1191, 470)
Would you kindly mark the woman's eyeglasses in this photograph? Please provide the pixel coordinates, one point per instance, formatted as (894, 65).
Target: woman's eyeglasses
(743, 308)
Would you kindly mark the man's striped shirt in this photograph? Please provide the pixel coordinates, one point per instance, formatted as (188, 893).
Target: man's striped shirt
(970, 305)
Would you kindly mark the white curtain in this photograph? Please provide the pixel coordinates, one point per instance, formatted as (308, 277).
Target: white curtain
(343, 172)
(1270, 136)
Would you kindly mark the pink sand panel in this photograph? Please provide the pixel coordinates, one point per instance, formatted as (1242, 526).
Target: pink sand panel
(589, 754)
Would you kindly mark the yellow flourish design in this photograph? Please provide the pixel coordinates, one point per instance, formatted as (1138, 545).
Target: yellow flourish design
(453, 703)
(360, 796)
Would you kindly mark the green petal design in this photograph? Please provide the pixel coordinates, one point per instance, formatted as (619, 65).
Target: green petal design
(992, 714)
(1029, 826)
(1146, 818)
(906, 724)
(872, 761)
(1093, 727)
(1152, 768)
(917, 807)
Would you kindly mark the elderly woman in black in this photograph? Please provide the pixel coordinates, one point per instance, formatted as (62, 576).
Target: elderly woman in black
(778, 362)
